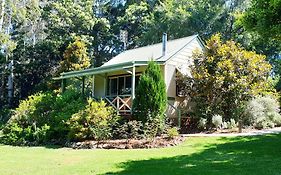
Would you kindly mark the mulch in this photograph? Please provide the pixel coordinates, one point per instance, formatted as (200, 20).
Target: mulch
(158, 142)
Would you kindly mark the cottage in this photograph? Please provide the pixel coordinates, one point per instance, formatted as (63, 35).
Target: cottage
(116, 80)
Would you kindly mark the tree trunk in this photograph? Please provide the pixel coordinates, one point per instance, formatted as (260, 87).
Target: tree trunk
(240, 126)
(2, 88)
(3, 3)
(11, 83)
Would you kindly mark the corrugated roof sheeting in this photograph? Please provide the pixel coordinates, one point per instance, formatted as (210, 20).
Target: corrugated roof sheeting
(134, 57)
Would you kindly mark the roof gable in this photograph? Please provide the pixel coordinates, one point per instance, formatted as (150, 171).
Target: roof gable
(149, 52)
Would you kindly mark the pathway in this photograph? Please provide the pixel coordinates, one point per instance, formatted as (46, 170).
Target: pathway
(251, 133)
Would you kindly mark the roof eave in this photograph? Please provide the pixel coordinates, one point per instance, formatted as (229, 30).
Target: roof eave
(102, 69)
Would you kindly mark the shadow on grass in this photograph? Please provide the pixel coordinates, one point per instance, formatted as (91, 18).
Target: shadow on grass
(239, 155)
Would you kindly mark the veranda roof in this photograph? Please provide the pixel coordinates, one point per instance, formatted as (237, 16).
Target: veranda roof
(101, 69)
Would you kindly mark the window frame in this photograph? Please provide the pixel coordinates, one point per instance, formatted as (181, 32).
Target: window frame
(109, 79)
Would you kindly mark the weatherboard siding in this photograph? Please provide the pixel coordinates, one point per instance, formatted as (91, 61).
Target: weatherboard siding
(99, 86)
(185, 55)
(182, 59)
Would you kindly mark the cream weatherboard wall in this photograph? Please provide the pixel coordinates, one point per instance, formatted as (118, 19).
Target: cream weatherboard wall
(181, 61)
(99, 89)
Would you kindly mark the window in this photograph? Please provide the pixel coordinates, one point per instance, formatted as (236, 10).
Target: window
(121, 85)
(137, 79)
(128, 85)
(113, 86)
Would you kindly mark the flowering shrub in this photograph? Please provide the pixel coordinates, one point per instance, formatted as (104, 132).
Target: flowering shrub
(217, 121)
(263, 112)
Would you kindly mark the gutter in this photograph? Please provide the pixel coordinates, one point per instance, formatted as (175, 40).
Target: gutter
(102, 69)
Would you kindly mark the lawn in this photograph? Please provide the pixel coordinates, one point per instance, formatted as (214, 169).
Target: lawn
(216, 155)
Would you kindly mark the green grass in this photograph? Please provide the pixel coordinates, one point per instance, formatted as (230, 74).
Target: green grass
(234, 155)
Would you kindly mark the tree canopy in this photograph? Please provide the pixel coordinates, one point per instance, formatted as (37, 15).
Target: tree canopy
(35, 34)
(224, 76)
(265, 18)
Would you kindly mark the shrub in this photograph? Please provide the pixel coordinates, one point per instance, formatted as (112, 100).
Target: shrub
(263, 112)
(224, 125)
(27, 124)
(42, 118)
(217, 120)
(93, 122)
(32, 111)
(151, 98)
(277, 119)
(152, 128)
(172, 132)
(65, 105)
(129, 130)
(14, 134)
(202, 123)
(231, 124)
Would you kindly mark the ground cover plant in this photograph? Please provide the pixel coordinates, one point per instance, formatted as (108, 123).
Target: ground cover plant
(214, 155)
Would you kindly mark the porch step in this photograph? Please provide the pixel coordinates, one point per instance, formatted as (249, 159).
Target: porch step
(126, 115)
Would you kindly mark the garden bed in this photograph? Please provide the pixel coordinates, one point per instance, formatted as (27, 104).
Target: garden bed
(158, 142)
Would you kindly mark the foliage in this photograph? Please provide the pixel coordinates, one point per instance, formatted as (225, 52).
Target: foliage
(263, 112)
(93, 122)
(17, 135)
(217, 121)
(172, 132)
(33, 110)
(38, 32)
(42, 118)
(64, 106)
(66, 19)
(146, 21)
(151, 98)
(264, 17)
(224, 76)
(75, 56)
(262, 28)
(24, 122)
(135, 17)
(153, 127)
(129, 130)
(202, 123)
(5, 115)
(231, 124)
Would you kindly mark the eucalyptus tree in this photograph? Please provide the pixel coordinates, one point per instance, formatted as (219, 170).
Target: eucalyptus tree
(20, 22)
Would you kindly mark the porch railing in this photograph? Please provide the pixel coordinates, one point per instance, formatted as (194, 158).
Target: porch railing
(121, 103)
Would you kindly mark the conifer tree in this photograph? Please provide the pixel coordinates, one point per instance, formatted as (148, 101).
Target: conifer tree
(151, 99)
(75, 56)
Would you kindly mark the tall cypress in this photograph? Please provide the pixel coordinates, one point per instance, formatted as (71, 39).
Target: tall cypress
(150, 97)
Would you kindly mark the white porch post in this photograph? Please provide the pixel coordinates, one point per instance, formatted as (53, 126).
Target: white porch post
(105, 84)
(133, 81)
(93, 86)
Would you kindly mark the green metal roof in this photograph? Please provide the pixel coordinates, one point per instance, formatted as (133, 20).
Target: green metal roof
(151, 51)
(102, 69)
(135, 57)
